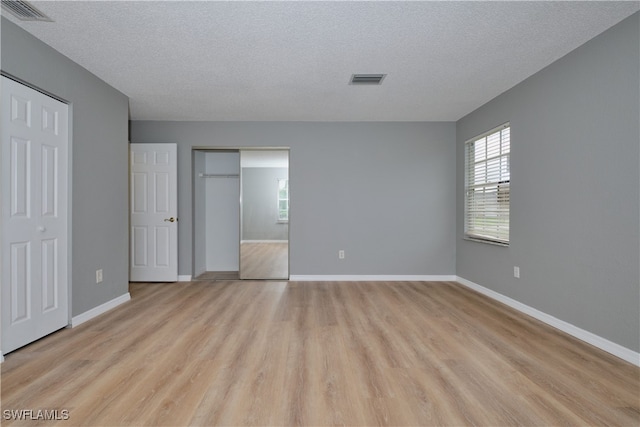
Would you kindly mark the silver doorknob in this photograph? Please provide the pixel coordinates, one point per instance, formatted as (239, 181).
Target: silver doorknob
(42, 228)
(172, 219)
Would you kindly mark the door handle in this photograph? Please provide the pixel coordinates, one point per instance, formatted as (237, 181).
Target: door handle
(172, 219)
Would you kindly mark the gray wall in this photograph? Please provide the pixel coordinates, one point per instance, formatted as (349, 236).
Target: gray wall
(260, 204)
(100, 209)
(574, 192)
(222, 228)
(383, 192)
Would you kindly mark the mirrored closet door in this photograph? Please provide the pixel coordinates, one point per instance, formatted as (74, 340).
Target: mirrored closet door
(264, 214)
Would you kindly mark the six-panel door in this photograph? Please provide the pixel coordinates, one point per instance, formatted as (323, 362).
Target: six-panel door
(34, 251)
(154, 220)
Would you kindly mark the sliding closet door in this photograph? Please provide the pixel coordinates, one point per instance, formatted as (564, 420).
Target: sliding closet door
(264, 244)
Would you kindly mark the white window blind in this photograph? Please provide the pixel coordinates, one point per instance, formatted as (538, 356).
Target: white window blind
(487, 182)
(283, 200)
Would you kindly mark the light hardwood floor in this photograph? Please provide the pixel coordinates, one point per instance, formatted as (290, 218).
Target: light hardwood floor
(318, 353)
(264, 260)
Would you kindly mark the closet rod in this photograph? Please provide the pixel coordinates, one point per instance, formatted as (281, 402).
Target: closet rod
(218, 175)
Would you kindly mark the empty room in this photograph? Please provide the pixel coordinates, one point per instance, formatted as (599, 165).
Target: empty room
(320, 213)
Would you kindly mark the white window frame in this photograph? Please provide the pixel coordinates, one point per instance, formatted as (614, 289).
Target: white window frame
(487, 192)
(279, 199)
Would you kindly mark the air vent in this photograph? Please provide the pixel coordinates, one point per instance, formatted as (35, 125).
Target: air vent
(367, 79)
(24, 11)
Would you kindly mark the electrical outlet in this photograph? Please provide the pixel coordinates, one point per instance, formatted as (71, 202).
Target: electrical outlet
(99, 276)
(516, 272)
(341, 254)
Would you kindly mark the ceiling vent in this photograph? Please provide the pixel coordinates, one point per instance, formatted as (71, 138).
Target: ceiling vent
(367, 79)
(24, 11)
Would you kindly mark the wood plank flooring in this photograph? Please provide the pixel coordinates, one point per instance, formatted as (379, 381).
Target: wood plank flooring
(264, 260)
(317, 353)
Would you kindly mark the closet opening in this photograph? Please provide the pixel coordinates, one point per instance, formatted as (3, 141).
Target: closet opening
(241, 214)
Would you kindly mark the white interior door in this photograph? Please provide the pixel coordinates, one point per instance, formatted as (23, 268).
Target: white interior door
(154, 213)
(35, 285)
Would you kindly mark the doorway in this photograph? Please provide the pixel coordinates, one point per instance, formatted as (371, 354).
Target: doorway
(153, 212)
(241, 214)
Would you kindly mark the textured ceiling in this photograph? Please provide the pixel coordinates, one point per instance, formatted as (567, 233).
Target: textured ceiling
(183, 60)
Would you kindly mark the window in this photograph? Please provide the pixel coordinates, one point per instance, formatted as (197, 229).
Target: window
(283, 200)
(487, 181)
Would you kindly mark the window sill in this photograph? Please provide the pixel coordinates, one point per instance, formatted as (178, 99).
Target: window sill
(489, 242)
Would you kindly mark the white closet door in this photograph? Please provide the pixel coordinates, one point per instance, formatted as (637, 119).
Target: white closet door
(34, 168)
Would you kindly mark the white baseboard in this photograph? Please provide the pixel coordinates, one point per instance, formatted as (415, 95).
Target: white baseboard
(96, 311)
(184, 278)
(370, 278)
(586, 336)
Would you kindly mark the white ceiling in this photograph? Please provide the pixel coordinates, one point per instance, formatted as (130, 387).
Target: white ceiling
(237, 60)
